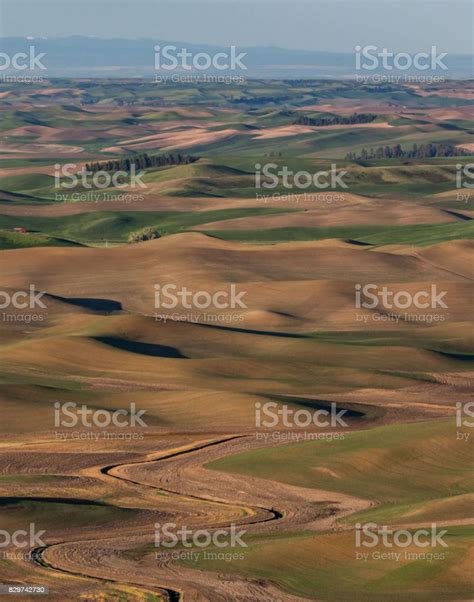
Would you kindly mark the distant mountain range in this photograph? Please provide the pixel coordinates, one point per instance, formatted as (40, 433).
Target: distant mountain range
(79, 56)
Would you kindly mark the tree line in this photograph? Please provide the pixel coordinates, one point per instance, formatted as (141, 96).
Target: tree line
(417, 151)
(259, 100)
(142, 161)
(337, 119)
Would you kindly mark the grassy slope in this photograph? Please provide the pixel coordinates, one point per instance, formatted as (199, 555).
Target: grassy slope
(371, 464)
(117, 225)
(14, 240)
(16, 511)
(375, 464)
(420, 235)
(324, 567)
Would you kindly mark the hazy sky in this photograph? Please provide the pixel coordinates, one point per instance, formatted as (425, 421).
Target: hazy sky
(334, 25)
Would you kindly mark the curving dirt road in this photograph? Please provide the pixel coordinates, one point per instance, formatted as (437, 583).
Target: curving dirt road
(179, 474)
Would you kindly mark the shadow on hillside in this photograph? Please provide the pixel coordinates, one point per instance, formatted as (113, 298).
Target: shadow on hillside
(104, 306)
(142, 348)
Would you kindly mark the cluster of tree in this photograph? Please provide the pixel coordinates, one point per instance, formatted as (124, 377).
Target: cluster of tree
(125, 102)
(376, 89)
(337, 119)
(142, 161)
(132, 102)
(153, 102)
(421, 151)
(148, 233)
(259, 100)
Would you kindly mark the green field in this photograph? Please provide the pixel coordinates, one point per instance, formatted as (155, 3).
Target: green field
(417, 235)
(374, 465)
(324, 567)
(112, 226)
